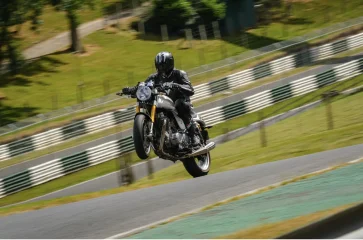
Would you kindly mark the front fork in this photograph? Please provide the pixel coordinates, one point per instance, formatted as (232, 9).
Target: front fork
(152, 116)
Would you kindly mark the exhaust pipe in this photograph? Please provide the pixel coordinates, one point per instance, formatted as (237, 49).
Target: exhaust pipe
(210, 146)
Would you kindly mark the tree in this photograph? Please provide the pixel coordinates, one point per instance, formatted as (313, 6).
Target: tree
(71, 8)
(15, 13)
(174, 13)
(209, 10)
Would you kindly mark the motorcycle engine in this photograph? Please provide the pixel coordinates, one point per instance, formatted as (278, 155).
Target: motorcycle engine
(174, 138)
(179, 139)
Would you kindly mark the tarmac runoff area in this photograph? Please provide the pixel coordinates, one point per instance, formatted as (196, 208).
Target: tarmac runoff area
(317, 193)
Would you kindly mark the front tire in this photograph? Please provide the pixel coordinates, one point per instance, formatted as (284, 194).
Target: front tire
(142, 145)
(198, 166)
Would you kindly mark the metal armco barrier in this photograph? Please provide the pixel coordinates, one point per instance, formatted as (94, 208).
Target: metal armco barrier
(107, 151)
(278, 46)
(104, 121)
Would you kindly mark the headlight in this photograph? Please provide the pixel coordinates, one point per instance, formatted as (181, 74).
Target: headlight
(143, 93)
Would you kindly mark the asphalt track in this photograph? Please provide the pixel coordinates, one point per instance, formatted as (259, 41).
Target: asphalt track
(25, 165)
(140, 170)
(357, 234)
(110, 215)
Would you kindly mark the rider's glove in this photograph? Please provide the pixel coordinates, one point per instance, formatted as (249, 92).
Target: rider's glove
(129, 90)
(170, 85)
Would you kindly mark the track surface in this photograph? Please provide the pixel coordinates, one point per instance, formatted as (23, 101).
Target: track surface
(140, 170)
(356, 234)
(106, 216)
(22, 166)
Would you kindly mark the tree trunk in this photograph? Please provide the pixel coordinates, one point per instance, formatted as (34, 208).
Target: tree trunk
(2, 44)
(76, 45)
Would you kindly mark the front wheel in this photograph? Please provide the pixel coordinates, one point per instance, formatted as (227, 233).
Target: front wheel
(198, 166)
(140, 131)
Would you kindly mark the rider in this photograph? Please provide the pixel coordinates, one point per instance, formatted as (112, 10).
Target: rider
(181, 90)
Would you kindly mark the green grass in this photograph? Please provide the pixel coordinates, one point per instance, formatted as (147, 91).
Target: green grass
(114, 105)
(216, 131)
(275, 230)
(300, 135)
(65, 145)
(55, 22)
(31, 91)
(219, 129)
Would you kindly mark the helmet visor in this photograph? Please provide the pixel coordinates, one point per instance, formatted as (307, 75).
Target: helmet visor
(163, 69)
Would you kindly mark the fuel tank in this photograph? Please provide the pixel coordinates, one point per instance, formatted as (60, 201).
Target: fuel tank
(165, 102)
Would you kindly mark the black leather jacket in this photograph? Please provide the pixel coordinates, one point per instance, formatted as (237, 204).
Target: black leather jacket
(179, 77)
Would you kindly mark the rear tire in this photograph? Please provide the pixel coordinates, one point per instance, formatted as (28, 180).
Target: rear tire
(142, 146)
(198, 169)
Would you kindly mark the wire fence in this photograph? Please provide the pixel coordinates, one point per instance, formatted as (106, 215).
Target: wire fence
(324, 87)
(208, 30)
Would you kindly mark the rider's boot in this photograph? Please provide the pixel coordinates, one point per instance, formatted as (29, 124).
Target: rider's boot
(194, 134)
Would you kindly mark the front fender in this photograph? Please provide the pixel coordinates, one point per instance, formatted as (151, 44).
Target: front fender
(141, 113)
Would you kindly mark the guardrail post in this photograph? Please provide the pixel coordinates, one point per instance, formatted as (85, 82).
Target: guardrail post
(55, 101)
(118, 11)
(106, 87)
(327, 96)
(262, 130)
(344, 7)
(201, 57)
(150, 169)
(327, 14)
(164, 33)
(225, 133)
(135, 4)
(141, 27)
(244, 37)
(202, 33)
(189, 37)
(216, 31)
(80, 93)
(126, 176)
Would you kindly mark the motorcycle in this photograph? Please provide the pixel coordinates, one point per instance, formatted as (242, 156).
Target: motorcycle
(158, 126)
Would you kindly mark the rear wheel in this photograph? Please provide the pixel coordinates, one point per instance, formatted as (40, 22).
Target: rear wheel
(140, 131)
(198, 166)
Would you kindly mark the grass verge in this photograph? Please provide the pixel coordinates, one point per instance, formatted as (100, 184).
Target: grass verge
(274, 230)
(300, 135)
(104, 64)
(219, 129)
(55, 22)
(116, 104)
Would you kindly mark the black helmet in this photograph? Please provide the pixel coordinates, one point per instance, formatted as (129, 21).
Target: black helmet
(164, 63)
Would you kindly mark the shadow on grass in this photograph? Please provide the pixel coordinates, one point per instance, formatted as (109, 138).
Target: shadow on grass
(112, 8)
(11, 114)
(45, 64)
(296, 21)
(340, 60)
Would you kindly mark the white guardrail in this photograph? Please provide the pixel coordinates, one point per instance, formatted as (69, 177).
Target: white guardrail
(107, 120)
(245, 56)
(59, 167)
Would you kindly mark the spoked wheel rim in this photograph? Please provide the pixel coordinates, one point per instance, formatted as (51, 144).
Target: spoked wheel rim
(146, 142)
(203, 161)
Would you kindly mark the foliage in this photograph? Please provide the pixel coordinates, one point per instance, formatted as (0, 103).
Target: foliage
(15, 13)
(174, 13)
(210, 10)
(71, 7)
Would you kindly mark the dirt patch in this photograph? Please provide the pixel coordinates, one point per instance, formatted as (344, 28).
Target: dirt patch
(89, 50)
(2, 96)
(274, 230)
(299, 1)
